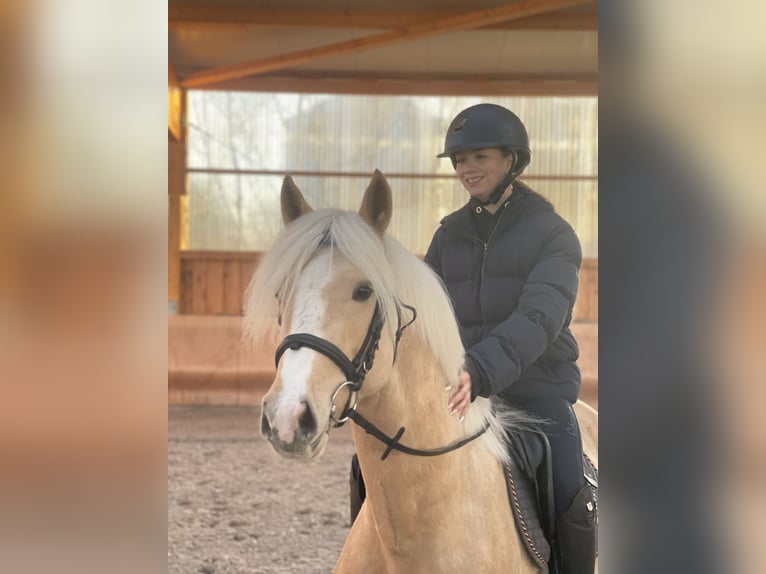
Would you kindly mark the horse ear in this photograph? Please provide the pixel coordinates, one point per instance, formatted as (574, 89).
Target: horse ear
(293, 203)
(377, 205)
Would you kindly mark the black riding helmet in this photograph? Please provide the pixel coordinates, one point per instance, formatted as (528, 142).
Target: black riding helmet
(489, 126)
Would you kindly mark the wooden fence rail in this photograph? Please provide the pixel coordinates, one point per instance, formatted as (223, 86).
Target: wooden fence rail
(214, 283)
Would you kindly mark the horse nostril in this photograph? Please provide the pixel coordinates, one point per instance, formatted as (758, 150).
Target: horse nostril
(265, 426)
(307, 422)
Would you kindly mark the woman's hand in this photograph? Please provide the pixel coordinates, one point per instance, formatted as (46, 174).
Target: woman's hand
(461, 400)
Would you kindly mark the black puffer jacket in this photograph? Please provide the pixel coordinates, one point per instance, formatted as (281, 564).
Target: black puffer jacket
(513, 296)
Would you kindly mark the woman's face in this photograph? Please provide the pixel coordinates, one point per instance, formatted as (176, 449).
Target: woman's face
(481, 170)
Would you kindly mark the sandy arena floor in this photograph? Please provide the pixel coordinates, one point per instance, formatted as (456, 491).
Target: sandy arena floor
(235, 506)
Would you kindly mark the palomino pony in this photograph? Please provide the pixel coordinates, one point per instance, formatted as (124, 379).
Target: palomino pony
(342, 288)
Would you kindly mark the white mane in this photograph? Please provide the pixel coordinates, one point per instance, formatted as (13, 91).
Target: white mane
(396, 275)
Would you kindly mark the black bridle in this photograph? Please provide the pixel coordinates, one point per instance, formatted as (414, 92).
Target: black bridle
(355, 371)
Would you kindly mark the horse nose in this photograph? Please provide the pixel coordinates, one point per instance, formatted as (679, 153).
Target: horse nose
(307, 422)
(300, 423)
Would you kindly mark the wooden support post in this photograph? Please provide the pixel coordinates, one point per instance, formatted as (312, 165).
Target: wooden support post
(176, 189)
(175, 104)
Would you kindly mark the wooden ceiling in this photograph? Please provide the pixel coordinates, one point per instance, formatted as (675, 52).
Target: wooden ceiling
(477, 47)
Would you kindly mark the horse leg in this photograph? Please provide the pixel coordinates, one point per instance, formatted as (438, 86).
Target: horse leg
(357, 492)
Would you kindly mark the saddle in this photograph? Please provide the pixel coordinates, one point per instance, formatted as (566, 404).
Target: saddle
(529, 479)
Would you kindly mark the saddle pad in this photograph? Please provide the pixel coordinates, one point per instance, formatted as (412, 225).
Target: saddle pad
(523, 499)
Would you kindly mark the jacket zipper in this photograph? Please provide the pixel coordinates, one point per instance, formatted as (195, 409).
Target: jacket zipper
(486, 244)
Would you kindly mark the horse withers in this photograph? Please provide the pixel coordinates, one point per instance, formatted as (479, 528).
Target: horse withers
(368, 334)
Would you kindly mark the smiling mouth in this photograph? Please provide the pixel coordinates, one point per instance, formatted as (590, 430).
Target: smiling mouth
(474, 180)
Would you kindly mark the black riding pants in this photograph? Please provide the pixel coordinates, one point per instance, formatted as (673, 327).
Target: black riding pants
(563, 434)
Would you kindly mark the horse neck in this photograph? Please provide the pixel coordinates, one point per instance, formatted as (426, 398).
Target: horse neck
(415, 398)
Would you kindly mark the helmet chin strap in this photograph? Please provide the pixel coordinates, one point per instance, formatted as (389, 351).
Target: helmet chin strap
(502, 186)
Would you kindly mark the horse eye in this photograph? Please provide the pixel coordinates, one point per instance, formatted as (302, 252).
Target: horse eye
(362, 292)
(279, 319)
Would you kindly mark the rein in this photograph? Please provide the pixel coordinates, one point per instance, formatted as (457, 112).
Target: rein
(392, 443)
(355, 371)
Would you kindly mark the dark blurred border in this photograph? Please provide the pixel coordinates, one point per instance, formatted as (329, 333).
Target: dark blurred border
(681, 286)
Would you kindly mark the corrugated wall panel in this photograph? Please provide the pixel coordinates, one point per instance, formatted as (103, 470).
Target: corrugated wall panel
(397, 134)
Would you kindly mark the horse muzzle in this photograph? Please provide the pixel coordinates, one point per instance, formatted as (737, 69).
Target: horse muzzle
(293, 430)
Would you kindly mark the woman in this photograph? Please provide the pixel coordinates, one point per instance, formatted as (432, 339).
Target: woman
(510, 264)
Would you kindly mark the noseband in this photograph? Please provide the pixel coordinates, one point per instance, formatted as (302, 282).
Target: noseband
(355, 371)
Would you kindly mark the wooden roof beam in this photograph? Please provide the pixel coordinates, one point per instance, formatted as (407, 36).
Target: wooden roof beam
(181, 16)
(464, 21)
(416, 84)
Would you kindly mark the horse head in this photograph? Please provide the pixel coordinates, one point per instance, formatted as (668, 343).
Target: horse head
(332, 313)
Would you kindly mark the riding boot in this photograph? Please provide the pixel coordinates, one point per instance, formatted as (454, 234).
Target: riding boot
(356, 488)
(576, 535)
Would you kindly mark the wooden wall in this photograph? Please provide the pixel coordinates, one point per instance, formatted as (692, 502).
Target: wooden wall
(586, 306)
(214, 282)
